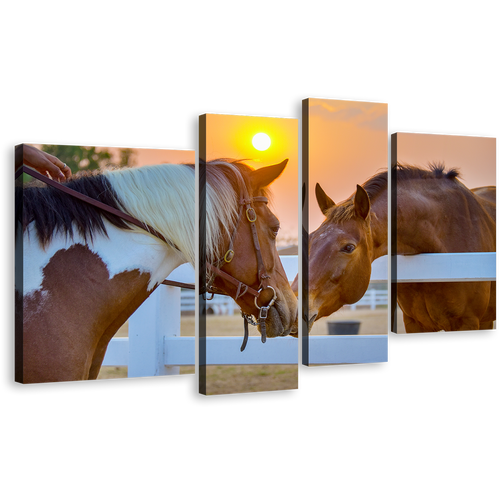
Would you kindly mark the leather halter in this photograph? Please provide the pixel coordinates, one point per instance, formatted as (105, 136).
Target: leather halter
(246, 206)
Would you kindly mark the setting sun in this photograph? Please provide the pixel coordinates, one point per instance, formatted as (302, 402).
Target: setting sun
(261, 141)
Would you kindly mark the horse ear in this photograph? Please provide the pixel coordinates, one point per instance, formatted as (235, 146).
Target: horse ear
(324, 201)
(361, 202)
(264, 176)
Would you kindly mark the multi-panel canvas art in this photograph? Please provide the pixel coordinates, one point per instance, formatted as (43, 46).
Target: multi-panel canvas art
(107, 243)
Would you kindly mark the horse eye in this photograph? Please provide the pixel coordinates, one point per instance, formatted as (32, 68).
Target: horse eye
(348, 248)
(275, 230)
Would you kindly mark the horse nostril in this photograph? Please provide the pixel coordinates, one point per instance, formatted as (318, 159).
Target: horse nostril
(312, 318)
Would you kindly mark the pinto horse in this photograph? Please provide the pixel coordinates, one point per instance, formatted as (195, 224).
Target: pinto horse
(85, 271)
(241, 255)
(436, 213)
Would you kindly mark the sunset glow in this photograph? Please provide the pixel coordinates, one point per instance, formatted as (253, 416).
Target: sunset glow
(232, 136)
(261, 141)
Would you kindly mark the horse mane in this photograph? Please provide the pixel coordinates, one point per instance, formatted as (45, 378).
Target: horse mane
(157, 195)
(51, 210)
(162, 196)
(434, 170)
(344, 211)
(222, 201)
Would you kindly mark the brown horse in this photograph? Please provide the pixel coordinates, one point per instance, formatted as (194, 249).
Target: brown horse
(435, 213)
(342, 249)
(242, 257)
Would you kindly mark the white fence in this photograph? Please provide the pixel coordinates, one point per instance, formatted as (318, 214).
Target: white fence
(372, 298)
(220, 304)
(441, 267)
(154, 345)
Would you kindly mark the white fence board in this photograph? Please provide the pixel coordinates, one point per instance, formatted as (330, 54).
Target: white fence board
(446, 267)
(372, 298)
(326, 349)
(276, 351)
(379, 270)
(117, 352)
(157, 322)
(290, 265)
(323, 349)
(183, 273)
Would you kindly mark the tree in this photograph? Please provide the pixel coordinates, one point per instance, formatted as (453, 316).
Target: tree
(127, 157)
(79, 157)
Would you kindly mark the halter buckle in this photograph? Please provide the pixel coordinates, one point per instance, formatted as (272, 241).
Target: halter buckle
(229, 256)
(263, 312)
(251, 214)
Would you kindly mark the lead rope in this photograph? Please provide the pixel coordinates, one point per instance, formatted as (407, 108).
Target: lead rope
(245, 329)
(245, 332)
(246, 319)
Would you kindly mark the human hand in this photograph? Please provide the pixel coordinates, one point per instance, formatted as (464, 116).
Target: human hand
(46, 164)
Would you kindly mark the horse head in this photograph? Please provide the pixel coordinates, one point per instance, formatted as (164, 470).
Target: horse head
(247, 254)
(340, 254)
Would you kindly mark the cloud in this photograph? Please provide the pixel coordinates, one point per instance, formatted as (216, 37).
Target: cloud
(376, 122)
(362, 114)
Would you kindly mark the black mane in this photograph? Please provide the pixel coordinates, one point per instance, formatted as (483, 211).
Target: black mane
(405, 172)
(52, 210)
(379, 183)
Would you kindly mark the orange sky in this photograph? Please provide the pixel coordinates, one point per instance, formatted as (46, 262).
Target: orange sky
(347, 145)
(230, 136)
(475, 157)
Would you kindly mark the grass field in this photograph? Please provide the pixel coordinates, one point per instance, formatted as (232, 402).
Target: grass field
(253, 378)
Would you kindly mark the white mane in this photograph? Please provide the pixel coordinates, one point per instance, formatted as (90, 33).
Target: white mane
(162, 196)
(221, 209)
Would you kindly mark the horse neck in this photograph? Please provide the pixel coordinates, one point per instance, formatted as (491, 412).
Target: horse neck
(445, 219)
(378, 225)
(147, 194)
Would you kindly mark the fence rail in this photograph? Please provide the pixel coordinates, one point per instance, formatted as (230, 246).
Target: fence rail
(180, 351)
(220, 304)
(154, 345)
(372, 298)
(446, 267)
